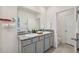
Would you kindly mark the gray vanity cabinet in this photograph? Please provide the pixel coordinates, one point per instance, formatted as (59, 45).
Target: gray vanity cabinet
(47, 46)
(40, 46)
(37, 44)
(29, 48)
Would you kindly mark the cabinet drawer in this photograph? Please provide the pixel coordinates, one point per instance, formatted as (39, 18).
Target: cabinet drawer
(46, 36)
(26, 42)
(35, 39)
(29, 49)
(52, 37)
(41, 37)
(51, 34)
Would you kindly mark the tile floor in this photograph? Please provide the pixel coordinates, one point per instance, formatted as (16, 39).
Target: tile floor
(63, 48)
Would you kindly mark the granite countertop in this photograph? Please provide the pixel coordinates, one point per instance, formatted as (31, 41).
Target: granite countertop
(31, 35)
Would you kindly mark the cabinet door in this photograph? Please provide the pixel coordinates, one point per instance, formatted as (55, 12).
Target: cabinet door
(47, 44)
(35, 39)
(26, 42)
(51, 41)
(29, 49)
(78, 44)
(40, 46)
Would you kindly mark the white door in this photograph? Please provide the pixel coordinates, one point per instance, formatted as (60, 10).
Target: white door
(70, 26)
(67, 26)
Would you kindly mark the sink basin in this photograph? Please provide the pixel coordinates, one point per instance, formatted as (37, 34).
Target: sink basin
(31, 35)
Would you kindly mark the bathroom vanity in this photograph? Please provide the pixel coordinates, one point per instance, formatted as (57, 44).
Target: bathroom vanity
(36, 43)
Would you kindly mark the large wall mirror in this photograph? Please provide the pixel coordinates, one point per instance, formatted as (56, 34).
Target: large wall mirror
(28, 19)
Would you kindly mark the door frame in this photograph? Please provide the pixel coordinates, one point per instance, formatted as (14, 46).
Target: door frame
(75, 9)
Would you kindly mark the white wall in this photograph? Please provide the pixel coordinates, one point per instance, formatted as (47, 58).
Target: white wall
(8, 37)
(51, 18)
(78, 19)
(43, 18)
(34, 8)
(8, 12)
